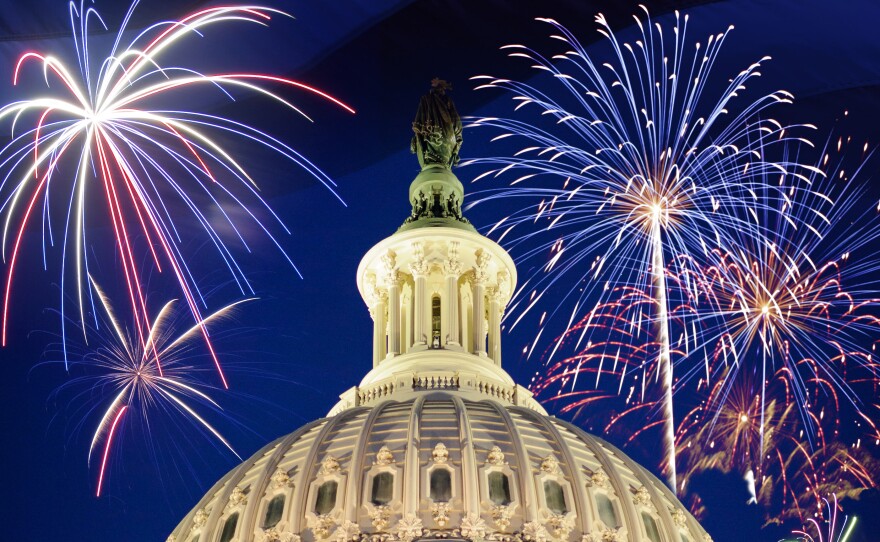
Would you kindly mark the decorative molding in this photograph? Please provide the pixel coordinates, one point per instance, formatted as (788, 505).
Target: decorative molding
(330, 465)
(440, 455)
(384, 457)
(409, 528)
(473, 527)
(237, 498)
(534, 531)
(379, 516)
(599, 478)
(501, 516)
(200, 518)
(550, 465)
(679, 518)
(641, 497)
(321, 525)
(495, 457)
(440, 513)
(281, 479)
(274, 535)
(481, 268)
(347, 532)
(558, 525)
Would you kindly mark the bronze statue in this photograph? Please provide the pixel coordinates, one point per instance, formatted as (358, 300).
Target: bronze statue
(437, 128)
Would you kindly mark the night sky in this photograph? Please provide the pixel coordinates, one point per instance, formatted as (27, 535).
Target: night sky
(290, 354)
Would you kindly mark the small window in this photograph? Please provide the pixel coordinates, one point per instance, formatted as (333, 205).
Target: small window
(606, 511)
(441, 485)
(555, 497)
(229, 528)
(499, 488)
(326, 500)
(273, 512)
(383, 488)
(435, 322)
(651, 528)
(685, 539)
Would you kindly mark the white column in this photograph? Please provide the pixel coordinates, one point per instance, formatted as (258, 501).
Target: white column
(451, 271)
(392, 281)
(494, 324)
(421, 303)
(377, 311)
(480, 278)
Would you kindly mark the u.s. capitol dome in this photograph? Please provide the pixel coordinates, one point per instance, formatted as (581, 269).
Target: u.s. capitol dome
(437, 441)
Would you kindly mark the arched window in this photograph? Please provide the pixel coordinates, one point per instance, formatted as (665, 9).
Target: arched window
(229, 528)
(273, 512)
(383, 488)
(435, 322)
(554, 496)
(499, 488)
(606, 511)
(326, 499)
(441, 485)
(651, 527)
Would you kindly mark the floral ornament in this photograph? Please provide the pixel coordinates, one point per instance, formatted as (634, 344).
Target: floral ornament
(274, 535)
(550, 465)
(535, 532)
(347, 532)
(642, 497)
(200, 518)
(559, 525)
(409, 528)
(440, 453)
(384, 457)
(238, 498)
(379, 515)
(495, 456)
(599, 479)
(501, 516)
(329, 465)
(440, 512)
(473, 527)
(603, 534)
(321, 525)
(280, 479)
(678, 517)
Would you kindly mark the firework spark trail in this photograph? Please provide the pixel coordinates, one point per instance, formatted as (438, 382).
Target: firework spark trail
(644, 161)
(128, 371)
(137, 157)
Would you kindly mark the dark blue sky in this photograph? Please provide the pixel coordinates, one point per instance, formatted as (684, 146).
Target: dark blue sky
(292, 352)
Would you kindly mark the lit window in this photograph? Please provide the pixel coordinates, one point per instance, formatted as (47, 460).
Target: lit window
(441, 485)
(383, 488)
(326, 500)
(273, 512)
(499, 488)
(651, 527)
(435, 322)
(229, 528)
(606, 511)
(555, 497)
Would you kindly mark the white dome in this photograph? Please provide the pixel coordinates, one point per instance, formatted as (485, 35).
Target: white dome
(437, 441)
(562, 483)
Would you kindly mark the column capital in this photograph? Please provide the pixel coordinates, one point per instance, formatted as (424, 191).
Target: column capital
(481, 268)
(419, 266)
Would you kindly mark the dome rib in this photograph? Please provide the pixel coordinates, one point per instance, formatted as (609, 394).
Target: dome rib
(411, 458)
(469, 488)
(527, 490)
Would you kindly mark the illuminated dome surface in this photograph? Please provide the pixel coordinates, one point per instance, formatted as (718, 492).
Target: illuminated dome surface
(437, 441)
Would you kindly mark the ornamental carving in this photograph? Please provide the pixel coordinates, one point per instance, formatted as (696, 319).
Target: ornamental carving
(559, 525)
(321, 525)
(534, 531)
(330, 465)
(347, 532)
(440, 513)
(237, 498)
(280, 479)
(379, 516)
(481, 269)
(501, 516)
(598, 479)
(440, 455)
(504, 283)
(604, 534)
(389, 267)
(384, 456)
(473, 527)
(419, 265)
(641, 497)
(200, 518)
(274, 535)
(495, 456)
(679, 518)
(409, 528)
(550, 465)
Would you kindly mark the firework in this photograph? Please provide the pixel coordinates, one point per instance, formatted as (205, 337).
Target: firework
(107, 135)
(628, 163)
(834, 531)
(123, 384)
